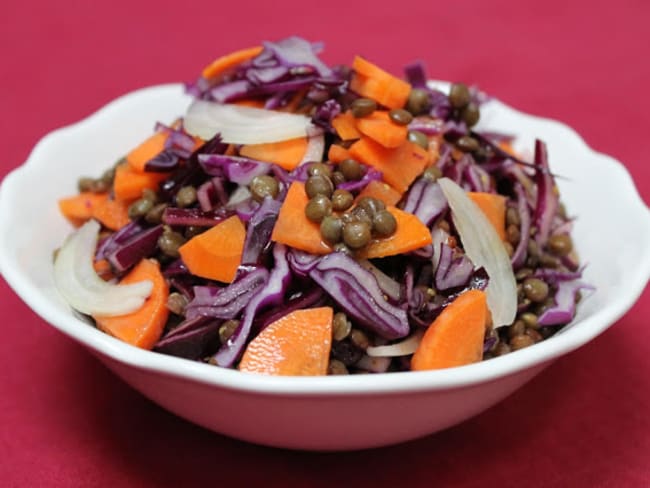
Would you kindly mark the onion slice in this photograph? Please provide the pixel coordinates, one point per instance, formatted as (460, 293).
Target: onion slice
(80, 285)
(404, 348)
(243, 125)
(484, 247)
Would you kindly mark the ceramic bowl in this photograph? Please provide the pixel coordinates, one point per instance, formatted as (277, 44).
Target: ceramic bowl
(321, 413)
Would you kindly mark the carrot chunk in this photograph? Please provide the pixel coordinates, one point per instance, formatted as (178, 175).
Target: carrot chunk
(380, 128)
(345, 126)
(216, 253)
(382, 191)
(293, 228)
(148, 149)
(297, 344)
(494, 208)
(129, 183)
(143, 327)
(455, 337)
(337, 153)
(400, 166)
(224, 63)
(411, 234)
(79, 208)
(113, 214)
(373, 82)
(286, 154)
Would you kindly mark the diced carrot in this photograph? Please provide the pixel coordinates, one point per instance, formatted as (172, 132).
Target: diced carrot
(103, 269)
(455, 337)
(129, 184)
(147, 150)
(250, 102)
(373, 82)
(493, 206)
(400, 166)
(216, 253)
(286, 154)
(113, 214)
(380, 128)
(143, 327)
(224, 63)
(337, 153)
(345, 126)
(79, 208)
(411, 234)
(383, 191)
(297, 344)
(293, 228)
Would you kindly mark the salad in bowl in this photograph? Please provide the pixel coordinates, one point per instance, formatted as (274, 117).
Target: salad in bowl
(305, 219)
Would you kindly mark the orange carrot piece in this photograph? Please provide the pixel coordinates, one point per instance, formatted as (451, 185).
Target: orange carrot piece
(147, 150)
(113, 214)
(400, 166)
(224, 63)
(297, 344)
(216, 253)
(143, 327)
(373, 82)
(411, 234)
(345, 126)
(79, 208)
(455, 337)
(250, 102)
(286, 154)
(494, 208)
(380, 128)
(383, 191)
(293, 228)
(103, 269)
(129, 184)
(337, 153)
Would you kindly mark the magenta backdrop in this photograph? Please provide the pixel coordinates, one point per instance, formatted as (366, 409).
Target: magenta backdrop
(66, 421)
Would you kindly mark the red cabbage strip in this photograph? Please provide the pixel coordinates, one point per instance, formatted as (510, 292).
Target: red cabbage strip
(259, 229)
(357, 292)
(165, 160)
(190, 173)
(455, 171)
(425, 200)
(453, 271)
(547, 200)
(554, 276)
(228, 92)
(371, 174)
(271, 294)
(416, 75)
(477, 178)
(315, 297)
(211, 194)
(325, 112)
(296, 52)
(302, 262)
(190, 340)
(237, 169)
(519, 256)
(180, 143)
(194, 216)
(117, 239)
(430, 127)
(261, 75)
(440, 105)
(227, 302)
(138, 246)
(564, 309)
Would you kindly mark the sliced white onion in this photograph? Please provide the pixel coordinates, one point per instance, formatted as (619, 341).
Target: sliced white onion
(315, 149)
(403, 348)
(80, 285)
(484, 247)
(241, 194)
(243, 125)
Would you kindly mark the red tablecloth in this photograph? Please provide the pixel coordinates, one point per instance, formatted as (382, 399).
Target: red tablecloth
(66, 421)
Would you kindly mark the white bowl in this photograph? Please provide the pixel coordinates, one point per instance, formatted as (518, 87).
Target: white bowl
(323, 413)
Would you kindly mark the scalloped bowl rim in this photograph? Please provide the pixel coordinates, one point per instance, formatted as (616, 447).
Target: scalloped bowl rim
(391, 383)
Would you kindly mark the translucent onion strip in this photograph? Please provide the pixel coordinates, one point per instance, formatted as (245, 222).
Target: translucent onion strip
(484, 247)
(243, 125)
(80, 285)
(403, 348)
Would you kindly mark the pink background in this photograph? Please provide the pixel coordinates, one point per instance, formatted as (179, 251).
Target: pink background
(66, 421)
